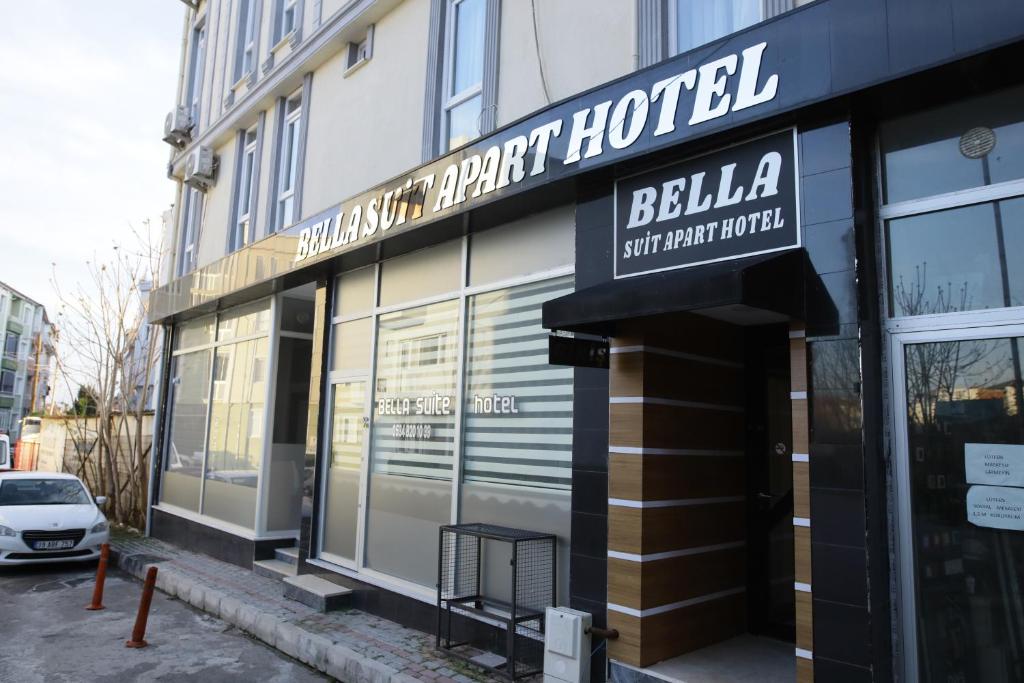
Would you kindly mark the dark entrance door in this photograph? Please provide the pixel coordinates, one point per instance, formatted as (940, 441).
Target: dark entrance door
(770, 483)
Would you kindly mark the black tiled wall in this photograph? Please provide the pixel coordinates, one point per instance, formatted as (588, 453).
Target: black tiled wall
(842, 638)
(588, 568)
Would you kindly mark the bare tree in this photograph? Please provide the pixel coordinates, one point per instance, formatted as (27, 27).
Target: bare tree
(109, 353)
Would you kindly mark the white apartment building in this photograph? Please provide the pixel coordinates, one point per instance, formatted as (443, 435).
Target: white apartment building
(27, 363)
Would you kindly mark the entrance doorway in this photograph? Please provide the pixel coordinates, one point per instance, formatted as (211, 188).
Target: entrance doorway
(959, 456)
(701, 504)
(769, 426)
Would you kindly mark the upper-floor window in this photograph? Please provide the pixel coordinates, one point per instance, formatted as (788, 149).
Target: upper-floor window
(671, 27)
(286, 15)
(195, 73)
(11, 344)
(952, 188)
(288, 161)
(462, 68)
(696, 22)
(243, 228)
(192, 218)
(464, 72)
(245, 62)
(6, 382)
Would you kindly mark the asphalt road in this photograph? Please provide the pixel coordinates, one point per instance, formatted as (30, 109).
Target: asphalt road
(46, 634)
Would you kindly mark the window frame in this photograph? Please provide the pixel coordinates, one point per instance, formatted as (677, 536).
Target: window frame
(246, 48)
(191, 222)
(243, 224)
(463, 293)
(197, 65)
(437, 102)
(286, 122)
(5, 373)
(7, 351)
(282, 8)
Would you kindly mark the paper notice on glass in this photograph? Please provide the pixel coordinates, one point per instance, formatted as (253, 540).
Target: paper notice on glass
(997, 507)
(995, 464)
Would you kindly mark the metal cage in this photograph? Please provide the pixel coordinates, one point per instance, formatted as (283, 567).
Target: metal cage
(518, 617)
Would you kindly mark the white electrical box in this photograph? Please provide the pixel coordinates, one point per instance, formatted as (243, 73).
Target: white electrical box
(566, 645)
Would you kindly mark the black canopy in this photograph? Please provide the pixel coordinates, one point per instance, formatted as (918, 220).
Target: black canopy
(749, 291)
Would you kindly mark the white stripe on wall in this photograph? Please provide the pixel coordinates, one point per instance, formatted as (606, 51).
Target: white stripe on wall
(801, 521)
(797, 334)
(661, 609)
(650, 400)
(801, 457)
(658, 351)
(641, 450)
(804, 654)
(797, 395)
(667, 555)
(679, 502)
(802, 587)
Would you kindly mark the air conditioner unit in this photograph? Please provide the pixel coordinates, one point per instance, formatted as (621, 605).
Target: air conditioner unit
(201, 168)
(178, 127)
(566, 645)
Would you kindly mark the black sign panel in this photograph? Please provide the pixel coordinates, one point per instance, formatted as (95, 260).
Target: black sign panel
(735, 202)
(578, 353)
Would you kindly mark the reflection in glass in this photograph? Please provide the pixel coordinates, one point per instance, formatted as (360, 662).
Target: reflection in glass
(341, 520)
(970, 617)
(236, 432)
(413, 439)
(957, 260)
(518, 424)
(464, 122)
(190, 394)
(921, 153)
(468, 57)
(244, 321)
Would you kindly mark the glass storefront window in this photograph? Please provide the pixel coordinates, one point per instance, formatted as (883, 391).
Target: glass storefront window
(413, 439)
(355, 292)
(964, 404)
(198, 332)
(421, 274)
(244, 321)
(341, 520)
(189, 403)
(350, 346)
(970, 143)
(960, 259)
(236, 432)
(518, 409)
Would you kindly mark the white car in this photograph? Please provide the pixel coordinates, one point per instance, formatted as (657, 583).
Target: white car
(48, 517)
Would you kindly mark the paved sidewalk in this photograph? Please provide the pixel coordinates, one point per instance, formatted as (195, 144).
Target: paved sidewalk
(347, 644)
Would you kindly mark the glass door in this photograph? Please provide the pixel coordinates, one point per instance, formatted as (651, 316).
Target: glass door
(349, 422)
(960, 467)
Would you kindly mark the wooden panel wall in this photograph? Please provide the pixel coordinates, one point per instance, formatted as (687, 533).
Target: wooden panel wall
(801, 504)
(677, 503)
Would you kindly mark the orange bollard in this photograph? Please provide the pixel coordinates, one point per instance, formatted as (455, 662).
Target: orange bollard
(139, 632)
(101, 576)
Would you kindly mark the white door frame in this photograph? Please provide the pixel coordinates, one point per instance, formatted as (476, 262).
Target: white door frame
(1003, 324)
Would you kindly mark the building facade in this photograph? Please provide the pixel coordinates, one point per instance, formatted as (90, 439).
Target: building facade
(726, 296)
(26, 367)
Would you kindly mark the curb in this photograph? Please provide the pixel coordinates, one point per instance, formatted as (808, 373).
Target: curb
(312, 649)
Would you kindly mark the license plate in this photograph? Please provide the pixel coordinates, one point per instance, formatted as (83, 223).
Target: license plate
(54, 545)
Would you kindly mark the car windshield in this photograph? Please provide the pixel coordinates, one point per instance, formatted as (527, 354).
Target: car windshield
(42, 492)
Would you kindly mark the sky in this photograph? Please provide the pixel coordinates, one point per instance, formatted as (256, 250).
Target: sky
(84, 87)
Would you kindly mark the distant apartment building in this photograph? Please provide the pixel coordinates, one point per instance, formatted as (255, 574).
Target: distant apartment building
(26, 365)
(726, 295)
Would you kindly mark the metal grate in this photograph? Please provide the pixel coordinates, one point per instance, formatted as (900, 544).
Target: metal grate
(509, 622)
(75, 535)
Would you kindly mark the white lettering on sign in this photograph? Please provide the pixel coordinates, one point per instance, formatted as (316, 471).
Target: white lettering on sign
(995, 464)
(432, 404)
(495, 405)
(620, 122)
(996, 507)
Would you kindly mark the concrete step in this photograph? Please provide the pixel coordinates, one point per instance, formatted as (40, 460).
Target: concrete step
(289, 555)
(316, 592)
(274, 569)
